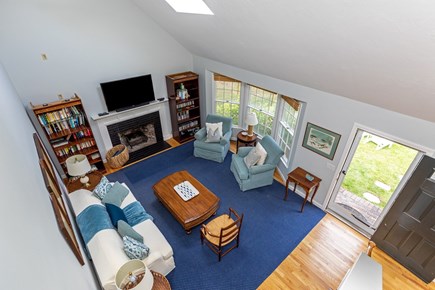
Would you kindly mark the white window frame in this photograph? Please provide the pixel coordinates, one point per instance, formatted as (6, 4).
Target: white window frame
(244, 107)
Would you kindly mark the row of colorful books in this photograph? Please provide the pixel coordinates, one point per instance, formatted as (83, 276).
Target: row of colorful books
(56, 116)
(72, 137)
(68, 151)
(68, 124)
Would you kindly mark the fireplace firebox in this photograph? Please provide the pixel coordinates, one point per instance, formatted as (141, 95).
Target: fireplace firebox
(141, 135)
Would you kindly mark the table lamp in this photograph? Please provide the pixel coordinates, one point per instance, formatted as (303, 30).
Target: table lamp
(251, 120)
(134, 275)
(78, 165)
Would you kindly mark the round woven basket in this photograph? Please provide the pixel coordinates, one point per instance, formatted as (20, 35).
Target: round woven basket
(118, 160)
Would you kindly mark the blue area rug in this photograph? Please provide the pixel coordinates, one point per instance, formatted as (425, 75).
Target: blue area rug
(271, 229)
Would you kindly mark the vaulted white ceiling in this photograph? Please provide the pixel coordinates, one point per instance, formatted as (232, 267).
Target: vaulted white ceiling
(380, 52)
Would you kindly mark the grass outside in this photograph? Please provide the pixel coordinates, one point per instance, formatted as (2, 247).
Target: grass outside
(387, 165)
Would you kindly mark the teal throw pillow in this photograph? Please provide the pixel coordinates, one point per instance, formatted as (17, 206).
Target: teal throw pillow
(135, 249)
(116, 194)
(135, 213)
(102, 188)
(115, 213)
(124, 229)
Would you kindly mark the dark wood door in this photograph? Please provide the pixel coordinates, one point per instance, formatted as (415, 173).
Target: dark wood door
(407, 232)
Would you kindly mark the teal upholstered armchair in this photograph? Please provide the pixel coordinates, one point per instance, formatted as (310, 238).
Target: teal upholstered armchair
(257, 175)
(215, 151)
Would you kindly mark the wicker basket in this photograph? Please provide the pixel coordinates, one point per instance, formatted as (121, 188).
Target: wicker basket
(118, 160)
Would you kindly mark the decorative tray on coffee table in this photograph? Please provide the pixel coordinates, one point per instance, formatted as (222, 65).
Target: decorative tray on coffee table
(186, 190)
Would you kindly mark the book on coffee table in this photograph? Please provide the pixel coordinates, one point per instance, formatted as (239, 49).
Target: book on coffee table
(186, 190)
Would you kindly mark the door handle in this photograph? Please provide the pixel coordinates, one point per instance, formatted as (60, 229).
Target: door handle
(344, 172)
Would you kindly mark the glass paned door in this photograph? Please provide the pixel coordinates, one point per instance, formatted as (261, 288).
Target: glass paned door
(370, 178)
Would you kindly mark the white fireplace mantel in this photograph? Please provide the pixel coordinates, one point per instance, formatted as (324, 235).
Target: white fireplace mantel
(115, 117)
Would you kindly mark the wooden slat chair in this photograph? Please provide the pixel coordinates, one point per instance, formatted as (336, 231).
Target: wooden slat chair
(221, 231)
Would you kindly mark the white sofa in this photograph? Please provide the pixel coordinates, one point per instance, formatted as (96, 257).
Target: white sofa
(106, 246)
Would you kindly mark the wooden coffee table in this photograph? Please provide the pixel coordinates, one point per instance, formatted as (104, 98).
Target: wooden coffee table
(188, 213)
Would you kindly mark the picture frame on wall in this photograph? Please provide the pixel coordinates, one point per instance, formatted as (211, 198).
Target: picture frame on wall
(320, 140)
(55, 196)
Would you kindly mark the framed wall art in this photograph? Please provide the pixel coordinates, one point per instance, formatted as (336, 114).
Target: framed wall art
(321, 140)
(55, 196)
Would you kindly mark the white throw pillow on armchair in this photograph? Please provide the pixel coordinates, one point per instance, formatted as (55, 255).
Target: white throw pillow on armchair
(213, 127)
(259, 150)
(214, 132)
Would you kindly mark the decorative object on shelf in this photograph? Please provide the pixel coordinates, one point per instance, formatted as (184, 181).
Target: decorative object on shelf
(321, 140)
(117, 156)
(251, 120)
(134, 275)
(182, 93)
(78, 165)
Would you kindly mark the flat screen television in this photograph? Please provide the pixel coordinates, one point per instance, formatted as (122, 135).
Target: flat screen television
(128, 93)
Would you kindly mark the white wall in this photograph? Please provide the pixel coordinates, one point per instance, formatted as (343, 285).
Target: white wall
(332, 112)
(86, 42)
(34, 254)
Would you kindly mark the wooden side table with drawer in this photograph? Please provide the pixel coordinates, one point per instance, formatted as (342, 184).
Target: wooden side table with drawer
(298, 177)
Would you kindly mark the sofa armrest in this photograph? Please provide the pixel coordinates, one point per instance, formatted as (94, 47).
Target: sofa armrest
(225, 139)
(260, 169)
(200, 134)
(243, 151)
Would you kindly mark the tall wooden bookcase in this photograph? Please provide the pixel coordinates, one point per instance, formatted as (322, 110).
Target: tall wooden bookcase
(184, 107)
(67, 129)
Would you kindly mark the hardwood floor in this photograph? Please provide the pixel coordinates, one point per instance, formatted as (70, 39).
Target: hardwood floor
(322, 259)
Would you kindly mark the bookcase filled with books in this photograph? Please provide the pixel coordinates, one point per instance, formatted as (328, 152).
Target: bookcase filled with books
(183, 93)
(67, 129)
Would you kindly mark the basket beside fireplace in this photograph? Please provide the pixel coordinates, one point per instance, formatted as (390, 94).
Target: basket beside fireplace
(117, 156)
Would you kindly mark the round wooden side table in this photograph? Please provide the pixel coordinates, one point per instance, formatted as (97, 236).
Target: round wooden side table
(94, 179)
(243, 140)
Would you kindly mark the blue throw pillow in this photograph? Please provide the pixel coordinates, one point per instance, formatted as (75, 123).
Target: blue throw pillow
(116, 194)
(115, 214)
(135, 213)
(124, 229)
(135, 249)
(102, 188)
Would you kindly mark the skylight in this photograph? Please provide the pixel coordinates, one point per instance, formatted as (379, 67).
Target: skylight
(190, 6)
